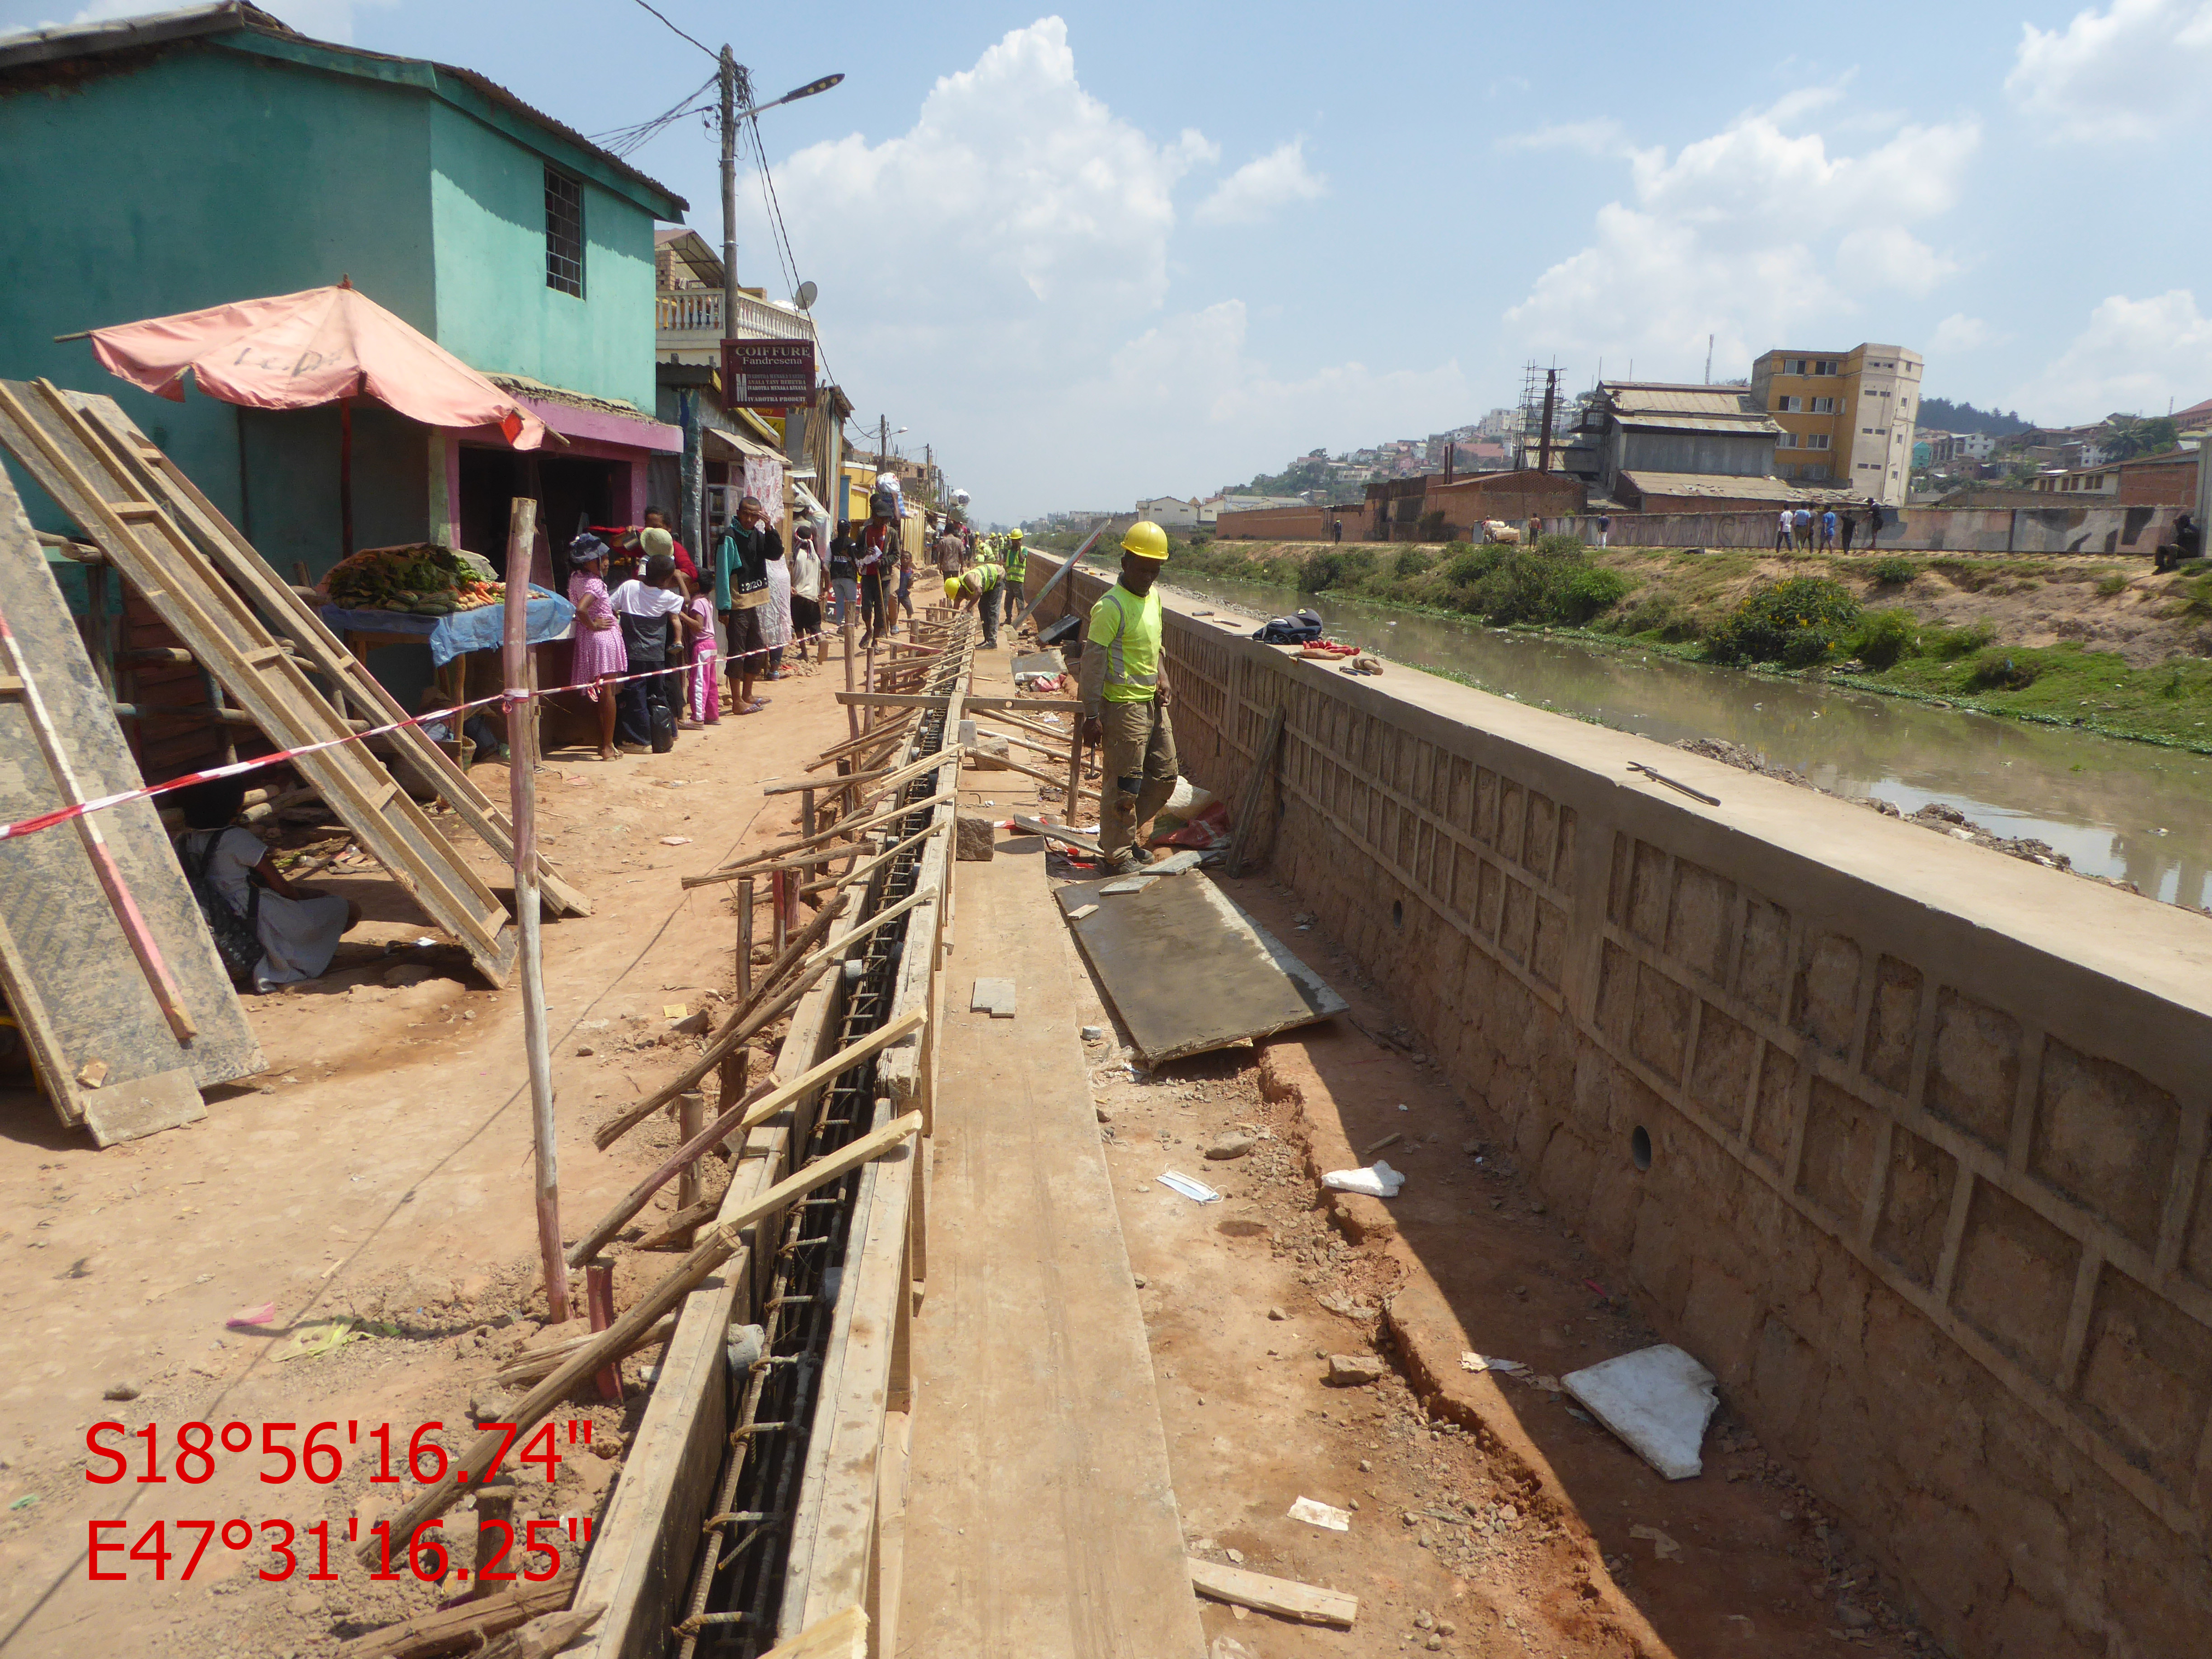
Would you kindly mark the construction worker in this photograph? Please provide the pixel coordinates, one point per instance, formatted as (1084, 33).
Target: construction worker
(991, 595)
(1124, 700)
(1016, 561)
(978, 586)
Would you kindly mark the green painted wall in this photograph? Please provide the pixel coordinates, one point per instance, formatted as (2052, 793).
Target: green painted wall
(212, 173)
(203, 177)
(495, 310)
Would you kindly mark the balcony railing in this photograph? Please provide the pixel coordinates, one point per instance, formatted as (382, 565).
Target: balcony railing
(698, 311)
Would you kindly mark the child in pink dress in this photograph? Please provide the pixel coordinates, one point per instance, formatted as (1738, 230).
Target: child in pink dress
(706, 686)
(600, 653)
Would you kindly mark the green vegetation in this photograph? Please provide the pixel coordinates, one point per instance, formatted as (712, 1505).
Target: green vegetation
(1728, 606)
(1886, 636)
(1799, 622)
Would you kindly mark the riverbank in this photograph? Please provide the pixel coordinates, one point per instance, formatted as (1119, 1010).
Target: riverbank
(2093, 642)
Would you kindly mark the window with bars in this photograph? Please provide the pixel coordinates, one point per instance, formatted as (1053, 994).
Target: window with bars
(564, 232)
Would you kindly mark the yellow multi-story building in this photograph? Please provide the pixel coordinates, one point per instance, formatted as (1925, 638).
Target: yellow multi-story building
(1846, 417)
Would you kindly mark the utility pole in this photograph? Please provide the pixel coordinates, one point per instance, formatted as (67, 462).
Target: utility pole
(730, 72)
(883, 443)
(1708, 360)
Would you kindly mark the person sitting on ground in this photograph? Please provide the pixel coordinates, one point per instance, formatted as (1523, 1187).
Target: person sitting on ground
(299, 928)
(741, 594)
(477, 728)
(2188, 543)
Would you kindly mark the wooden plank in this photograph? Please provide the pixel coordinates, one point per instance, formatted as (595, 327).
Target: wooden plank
(832, 1551)
(231, 553)
(1041, 1517)
(781, 857)
(737, 1117)
(646, 1543)
(73, 463)
(1284, 1597)
(66, 966)
(463, 1628)
(841, 1636)
(717, 1247)
(937, 700)
(1059, 832)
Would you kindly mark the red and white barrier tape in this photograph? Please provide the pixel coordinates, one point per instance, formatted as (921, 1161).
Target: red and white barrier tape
(66, 814)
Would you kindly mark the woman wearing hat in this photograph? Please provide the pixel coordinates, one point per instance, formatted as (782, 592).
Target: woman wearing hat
(600, 655)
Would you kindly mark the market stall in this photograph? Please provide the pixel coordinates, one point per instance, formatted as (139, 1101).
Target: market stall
(445, 600)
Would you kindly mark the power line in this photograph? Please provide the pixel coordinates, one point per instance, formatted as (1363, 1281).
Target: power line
(673, 29)
(625, 141)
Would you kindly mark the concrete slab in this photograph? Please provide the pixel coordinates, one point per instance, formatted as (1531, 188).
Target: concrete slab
(1040, 1518)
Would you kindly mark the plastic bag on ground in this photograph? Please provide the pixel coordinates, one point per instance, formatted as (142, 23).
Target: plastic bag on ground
(1377, 1180)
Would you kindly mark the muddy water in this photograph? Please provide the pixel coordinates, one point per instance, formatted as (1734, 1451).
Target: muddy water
(2124, 810)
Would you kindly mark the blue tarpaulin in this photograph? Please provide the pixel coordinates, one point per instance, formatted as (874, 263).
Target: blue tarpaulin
(484, 628)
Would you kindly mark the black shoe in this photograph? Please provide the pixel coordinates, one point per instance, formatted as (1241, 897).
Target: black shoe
(1142, 855)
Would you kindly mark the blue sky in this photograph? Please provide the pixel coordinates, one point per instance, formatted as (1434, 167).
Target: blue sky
(1125, 250)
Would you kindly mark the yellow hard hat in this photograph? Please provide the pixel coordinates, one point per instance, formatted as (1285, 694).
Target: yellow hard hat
(1016, 534)
(1146, 540)
(952, 587)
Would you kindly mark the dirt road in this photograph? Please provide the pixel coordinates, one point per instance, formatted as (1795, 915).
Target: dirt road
(380, 1171)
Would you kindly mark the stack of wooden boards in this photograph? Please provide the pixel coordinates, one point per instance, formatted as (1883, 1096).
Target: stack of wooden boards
(278, 663)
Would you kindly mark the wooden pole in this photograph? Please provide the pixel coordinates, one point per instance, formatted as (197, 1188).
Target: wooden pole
(740, 1115)
(851, 714)
(599, 1302)
(522, 804)
(1075, 778)
(745, 937)
(779, 884)
(690, 1118)
(712, 1252)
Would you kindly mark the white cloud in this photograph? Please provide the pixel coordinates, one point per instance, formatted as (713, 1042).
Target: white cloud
(324, 20)
(2134, 357)
(1259, 187)
(2130, 72)
(1959, 332)
(998, 277)
(1015, 193)
(1751, 235)
(1602, 137)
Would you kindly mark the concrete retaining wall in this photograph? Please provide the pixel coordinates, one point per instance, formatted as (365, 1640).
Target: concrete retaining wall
(1929, 1186)
(1911, 529)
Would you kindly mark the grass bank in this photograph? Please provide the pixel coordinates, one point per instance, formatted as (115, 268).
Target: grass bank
(2095, 641)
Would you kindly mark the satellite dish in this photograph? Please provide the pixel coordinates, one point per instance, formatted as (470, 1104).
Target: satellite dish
(804, 298)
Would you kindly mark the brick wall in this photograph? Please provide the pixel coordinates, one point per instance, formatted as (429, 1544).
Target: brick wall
(1929, 1191)
(2106, 529)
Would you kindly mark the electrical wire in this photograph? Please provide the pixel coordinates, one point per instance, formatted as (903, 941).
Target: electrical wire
(626, 141)
(673, 29)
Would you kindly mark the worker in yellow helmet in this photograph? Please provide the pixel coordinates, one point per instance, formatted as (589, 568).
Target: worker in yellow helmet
(983, 593)
(1124, 688)
(1015, 560)
(979, 585)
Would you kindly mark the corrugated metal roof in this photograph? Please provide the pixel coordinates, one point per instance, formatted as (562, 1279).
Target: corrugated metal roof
(1646, 396)
(1722, 487)
(1754, 422)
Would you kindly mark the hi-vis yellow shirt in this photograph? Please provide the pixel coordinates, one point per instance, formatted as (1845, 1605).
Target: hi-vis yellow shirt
(1127, 630)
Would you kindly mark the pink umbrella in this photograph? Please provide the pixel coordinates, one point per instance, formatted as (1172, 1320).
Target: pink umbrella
(300, 351)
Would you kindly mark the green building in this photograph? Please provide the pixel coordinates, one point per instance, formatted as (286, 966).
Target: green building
(160, 164)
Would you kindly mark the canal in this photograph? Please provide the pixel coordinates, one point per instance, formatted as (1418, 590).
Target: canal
(2129, 811)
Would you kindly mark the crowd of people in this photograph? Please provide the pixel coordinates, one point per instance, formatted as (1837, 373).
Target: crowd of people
(753, 613)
